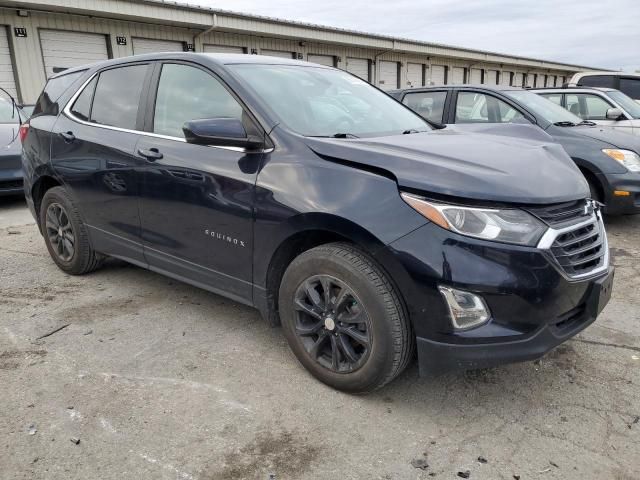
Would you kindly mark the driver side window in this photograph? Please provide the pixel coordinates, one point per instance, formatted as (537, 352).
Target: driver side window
(474, 107)
(188, 93)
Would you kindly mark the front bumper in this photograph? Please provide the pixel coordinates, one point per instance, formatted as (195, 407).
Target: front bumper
(621, 205)
(534, 306)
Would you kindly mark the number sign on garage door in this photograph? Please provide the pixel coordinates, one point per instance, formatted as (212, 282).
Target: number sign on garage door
(223, 49)
(359, 67)
(7, 78)
(388, 75)
(62, 49)
(149, 45)
(437, 75)
(414, 74)
(276, 53)
(327, 60)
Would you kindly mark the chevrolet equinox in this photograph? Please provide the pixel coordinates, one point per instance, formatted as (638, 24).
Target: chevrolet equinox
(301, 190)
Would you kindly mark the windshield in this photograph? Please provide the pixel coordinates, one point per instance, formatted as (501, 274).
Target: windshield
(627, 103)
(8, 114)
(320, 102)
(542, 107)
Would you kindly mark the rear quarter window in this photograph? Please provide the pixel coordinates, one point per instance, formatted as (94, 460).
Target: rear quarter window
(53, 90)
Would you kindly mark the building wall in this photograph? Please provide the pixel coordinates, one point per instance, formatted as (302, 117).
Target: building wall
(29, 65)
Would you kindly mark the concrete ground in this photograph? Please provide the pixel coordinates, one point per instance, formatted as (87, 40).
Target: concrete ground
(160, 380)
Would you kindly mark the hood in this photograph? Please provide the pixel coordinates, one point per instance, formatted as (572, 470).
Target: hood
(609, 136)
(478, 166)
(9, 139)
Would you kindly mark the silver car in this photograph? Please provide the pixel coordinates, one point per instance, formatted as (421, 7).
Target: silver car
(602, 106)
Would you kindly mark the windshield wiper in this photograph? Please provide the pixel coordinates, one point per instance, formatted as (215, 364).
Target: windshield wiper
(564, 124)
(410, 131)
(344, 135)
(588, 122)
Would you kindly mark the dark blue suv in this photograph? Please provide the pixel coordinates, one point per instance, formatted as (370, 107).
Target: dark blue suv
(336, 211)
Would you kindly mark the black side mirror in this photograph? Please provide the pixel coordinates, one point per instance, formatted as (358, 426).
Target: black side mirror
(221, 132)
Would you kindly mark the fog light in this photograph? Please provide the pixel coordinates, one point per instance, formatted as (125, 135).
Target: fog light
(466, 309)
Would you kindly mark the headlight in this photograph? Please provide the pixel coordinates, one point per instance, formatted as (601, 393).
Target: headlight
(500, 225)
(629, 159)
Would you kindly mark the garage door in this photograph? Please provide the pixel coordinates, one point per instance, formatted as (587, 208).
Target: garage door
(518, 78)
(491, 77)
(388, 75)
(223, 49)
(437, 75)
(327, 60)
(277, 53)
(505, 78)
(62, 49)
(476, 76)
(414, 74)
(148, 45)
(7, 79)
(531, 80)
(359, 67)
(551, 81)
(457, 76)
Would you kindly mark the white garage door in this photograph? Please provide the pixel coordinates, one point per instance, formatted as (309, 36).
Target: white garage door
(388, 75)
(359, 67)
(457, 76)
(327, 60)
(437, 74)
(277, 53)
(148, 45)
(505, 78)
(223, 49)
(62, 49)
(491, 77)
(476, 76)
(7, 79)
(414, 74)
(531, 80)
(518, 78)
(551, 81)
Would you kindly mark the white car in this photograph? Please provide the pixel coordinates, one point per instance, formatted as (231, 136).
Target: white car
(602, 106)
(628, 83)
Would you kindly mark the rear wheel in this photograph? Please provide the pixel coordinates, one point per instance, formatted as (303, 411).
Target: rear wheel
(65, 234)
(343, 318)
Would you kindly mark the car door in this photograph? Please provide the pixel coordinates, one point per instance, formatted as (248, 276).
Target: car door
(196, 200)
(429, 104)
(93, 150)
(593, 108)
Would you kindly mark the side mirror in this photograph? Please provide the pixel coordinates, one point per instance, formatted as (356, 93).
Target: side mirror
(614, 114)
(222, 132)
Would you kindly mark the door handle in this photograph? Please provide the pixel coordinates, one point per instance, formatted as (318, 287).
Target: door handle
(68, 136)
(151, 155)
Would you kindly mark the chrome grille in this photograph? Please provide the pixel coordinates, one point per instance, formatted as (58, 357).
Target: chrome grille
(580, 250)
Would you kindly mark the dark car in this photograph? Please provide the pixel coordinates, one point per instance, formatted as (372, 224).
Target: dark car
(609, 159)
(307, 193)
(11, 116)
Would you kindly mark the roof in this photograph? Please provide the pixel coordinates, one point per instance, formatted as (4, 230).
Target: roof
(573, 89)
(204, 18)
(496, 88)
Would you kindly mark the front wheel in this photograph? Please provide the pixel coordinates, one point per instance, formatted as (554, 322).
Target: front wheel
(343, 318)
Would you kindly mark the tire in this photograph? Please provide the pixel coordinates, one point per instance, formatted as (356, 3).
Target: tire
(362, 318)
(74, 254)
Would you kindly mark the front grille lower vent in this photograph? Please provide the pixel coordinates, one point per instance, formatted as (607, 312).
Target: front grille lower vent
(581, 250)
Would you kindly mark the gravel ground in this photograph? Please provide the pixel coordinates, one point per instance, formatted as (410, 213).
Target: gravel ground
(157, 379)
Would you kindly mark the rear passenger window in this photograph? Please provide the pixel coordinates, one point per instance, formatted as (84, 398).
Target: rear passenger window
(430, 105)
(82, 106)
(606, 81)
(187, 93)
(117, 97)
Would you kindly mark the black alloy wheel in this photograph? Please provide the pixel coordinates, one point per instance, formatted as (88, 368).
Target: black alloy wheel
(60, 232)
(332, 323)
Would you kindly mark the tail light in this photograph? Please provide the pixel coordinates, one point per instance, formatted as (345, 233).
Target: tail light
(24, 131)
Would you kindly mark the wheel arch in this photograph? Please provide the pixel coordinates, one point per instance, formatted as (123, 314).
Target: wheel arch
(304, 233)
(44, 183)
